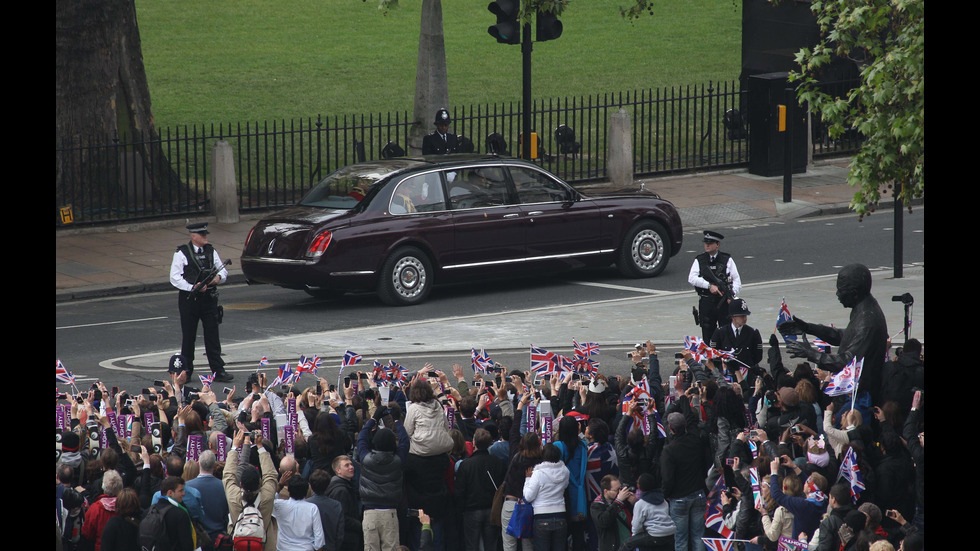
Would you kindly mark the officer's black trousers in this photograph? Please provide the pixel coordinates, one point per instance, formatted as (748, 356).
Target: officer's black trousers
(203, 309)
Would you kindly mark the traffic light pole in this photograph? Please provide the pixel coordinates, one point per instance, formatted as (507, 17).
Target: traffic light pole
(526, 62)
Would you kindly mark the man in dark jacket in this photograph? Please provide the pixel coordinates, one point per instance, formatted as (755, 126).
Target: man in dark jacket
(477, 480)
(342, 489)
(903, 374)
(180, 532)
(684, 465)
(840, 505)
(381, 482)
(611, 513)
(331, 511)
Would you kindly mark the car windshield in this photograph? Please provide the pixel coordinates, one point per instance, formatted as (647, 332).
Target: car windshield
(346, 187)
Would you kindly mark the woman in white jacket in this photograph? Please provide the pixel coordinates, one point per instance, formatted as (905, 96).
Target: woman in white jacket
(544, 489)
(426, 422)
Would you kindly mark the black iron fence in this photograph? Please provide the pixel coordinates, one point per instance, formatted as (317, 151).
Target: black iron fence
(673, 130)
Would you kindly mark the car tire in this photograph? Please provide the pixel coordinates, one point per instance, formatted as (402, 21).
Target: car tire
(645, 250)
(406, 277)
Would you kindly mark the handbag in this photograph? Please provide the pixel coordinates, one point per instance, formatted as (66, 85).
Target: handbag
(497, 507)
(522, 521)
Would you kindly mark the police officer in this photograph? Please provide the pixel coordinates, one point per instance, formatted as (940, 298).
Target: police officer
(743, 339)
(713, 304)
(442, 141)
(199, 305)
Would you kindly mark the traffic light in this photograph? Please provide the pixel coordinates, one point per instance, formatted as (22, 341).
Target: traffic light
(508, 28)
(547, 26)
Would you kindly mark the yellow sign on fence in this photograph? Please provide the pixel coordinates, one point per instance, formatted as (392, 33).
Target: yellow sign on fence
(66, 215)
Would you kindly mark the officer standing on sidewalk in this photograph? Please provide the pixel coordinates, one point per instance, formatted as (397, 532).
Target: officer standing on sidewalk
(200, 305)
(709, 268)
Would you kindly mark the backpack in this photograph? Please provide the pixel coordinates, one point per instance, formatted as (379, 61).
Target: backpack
(153, 534)
(249, 531)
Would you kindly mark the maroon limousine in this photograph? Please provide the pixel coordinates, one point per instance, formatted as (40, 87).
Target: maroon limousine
(401, 225)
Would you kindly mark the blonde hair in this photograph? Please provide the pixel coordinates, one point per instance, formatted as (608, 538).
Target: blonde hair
(882, 545)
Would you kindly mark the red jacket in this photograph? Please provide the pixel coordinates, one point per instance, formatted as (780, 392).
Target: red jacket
(96, 517)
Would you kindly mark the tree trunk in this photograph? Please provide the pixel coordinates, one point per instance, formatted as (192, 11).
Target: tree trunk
(431, 82)
(101, 94)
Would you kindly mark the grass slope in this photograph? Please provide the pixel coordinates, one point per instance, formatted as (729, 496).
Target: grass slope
(229, 61)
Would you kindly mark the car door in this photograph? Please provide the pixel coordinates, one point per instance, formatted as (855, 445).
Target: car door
(489, 230)
(558, 223)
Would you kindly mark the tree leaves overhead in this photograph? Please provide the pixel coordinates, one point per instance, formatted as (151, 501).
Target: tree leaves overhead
(887, 42)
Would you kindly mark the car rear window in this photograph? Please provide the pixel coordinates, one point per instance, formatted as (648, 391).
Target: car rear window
(346, 187)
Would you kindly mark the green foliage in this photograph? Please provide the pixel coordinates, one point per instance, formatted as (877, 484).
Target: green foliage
(886, 38)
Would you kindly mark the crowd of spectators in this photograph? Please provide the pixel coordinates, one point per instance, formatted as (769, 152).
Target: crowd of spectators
(606, 462)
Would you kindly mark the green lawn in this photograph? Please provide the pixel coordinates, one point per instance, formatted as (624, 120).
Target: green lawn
(230, 61)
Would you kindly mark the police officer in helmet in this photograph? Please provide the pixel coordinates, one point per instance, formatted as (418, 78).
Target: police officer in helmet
(442, 141)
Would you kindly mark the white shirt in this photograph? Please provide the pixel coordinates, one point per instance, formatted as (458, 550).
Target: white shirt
(177, 270)
(695, 279)
(300, 528)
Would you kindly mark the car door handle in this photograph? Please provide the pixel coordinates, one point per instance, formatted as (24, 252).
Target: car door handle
(511, 215)
(535, 213)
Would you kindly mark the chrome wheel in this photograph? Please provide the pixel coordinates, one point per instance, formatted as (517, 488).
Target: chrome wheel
(647, 250)
(409, 277)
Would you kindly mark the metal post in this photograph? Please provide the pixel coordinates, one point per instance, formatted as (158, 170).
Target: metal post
(899, 223)
(788, 151)
(526, 62)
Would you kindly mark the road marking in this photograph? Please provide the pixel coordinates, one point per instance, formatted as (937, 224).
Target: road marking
(110, 323)
(654, 292)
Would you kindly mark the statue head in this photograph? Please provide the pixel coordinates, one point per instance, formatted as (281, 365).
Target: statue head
(853, 284)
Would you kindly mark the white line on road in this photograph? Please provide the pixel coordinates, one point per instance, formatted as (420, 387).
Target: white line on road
(621, 287)
(110, 323)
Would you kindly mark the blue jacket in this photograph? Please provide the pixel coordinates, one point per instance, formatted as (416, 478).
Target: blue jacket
(806, 512)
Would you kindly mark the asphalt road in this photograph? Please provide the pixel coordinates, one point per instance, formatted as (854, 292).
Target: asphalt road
(95, 335)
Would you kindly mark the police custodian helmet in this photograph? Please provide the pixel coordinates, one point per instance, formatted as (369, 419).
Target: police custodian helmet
(442, 117)
(738, 308)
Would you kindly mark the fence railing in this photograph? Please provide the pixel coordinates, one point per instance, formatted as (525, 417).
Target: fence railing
(673, 130)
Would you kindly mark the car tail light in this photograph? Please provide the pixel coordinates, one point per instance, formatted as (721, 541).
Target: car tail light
(319, 244)
(249, 238)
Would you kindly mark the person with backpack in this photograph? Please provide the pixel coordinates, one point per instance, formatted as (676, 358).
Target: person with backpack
(167, 525)
(250, 496)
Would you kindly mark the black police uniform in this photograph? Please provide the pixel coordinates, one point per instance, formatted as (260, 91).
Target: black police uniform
(440, 144)
(199, 307)
(747, 344)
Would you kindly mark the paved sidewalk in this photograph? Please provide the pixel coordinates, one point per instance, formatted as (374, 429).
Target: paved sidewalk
(134, 258)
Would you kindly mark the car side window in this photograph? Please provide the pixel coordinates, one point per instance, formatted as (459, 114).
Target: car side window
(535, 187)
(478, 187)
(419, 193)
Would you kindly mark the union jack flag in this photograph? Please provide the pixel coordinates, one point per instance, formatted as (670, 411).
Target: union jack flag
(850, 471)
(713, 514)
(481, 360)
(702, 351)
(285, 376)
(823, 345)
(207, 379)
(585, 350)
(62, 375)
(717, 544)
(783, 317)
(846, 380)
(756, 488)
(565, 363)
(542, 361)
(264, 361)
(350, 359)
(380, 372)
(601, 460)
(585, 365)
(316, 362)
(395, 371)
